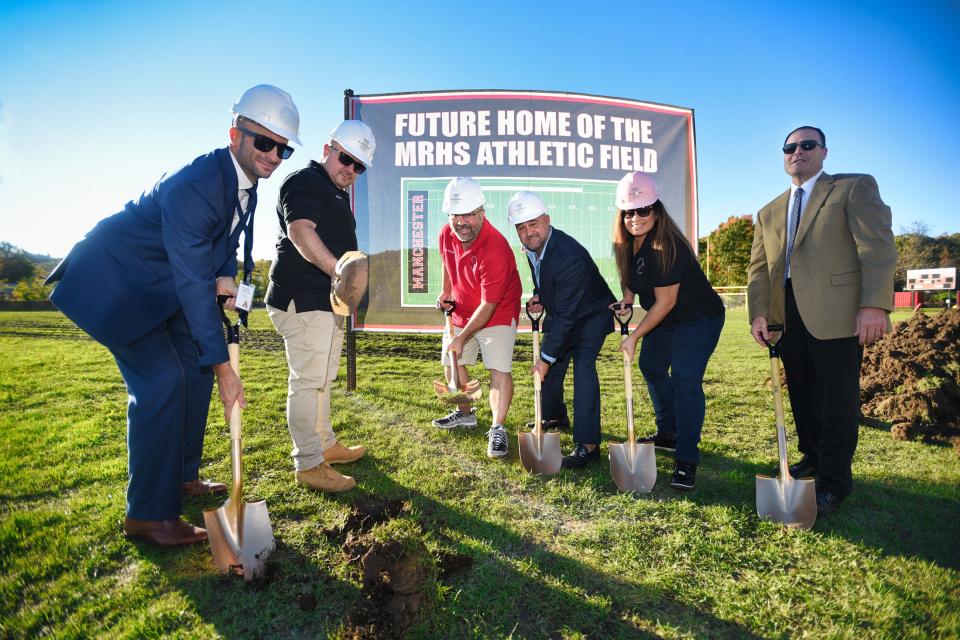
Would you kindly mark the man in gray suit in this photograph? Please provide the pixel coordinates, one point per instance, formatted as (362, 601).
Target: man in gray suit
(822, 265)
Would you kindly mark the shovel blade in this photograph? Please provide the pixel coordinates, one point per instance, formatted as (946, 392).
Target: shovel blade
(636, 471)
(242, 549)
(792, 502)
(469, 395)
(545, 459)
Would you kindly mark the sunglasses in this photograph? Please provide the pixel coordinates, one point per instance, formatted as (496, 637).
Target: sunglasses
(806, 145)
(643, 212)
(347, 161)
(265, 144)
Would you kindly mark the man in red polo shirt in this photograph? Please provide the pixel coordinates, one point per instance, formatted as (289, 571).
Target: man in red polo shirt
(480, 275)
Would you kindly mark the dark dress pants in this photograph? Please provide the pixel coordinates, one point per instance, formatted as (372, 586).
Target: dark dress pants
(823, 378)
(584, 344)
(169, 396)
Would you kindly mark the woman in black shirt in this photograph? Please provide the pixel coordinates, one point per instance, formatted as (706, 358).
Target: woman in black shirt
(683, 321)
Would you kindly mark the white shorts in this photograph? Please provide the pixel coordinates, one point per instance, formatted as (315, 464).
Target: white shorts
(495, 344)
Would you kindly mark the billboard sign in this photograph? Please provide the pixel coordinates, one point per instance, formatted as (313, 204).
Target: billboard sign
(570, 149)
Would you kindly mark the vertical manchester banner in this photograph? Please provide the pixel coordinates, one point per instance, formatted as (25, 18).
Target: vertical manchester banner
(571, 149)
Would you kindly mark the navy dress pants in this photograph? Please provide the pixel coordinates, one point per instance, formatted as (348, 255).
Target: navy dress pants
(169, 397)
(585, 342)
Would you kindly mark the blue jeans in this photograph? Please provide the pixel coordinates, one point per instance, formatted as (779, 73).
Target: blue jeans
(672, 361)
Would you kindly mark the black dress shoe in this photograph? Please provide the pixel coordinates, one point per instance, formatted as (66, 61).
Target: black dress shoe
(579, 457)
(164, 533)
(827, 502)
(803, 469)
(551, 425)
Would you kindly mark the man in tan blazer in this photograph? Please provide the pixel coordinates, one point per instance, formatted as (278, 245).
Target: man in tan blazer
(822, 265)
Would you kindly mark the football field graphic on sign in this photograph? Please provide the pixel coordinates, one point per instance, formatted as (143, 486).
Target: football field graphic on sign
(582, 208)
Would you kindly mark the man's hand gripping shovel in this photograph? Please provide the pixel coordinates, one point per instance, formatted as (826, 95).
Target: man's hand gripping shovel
(240, 534)
(632, 465)
(539, 451)
(448, 390)
(788, 500)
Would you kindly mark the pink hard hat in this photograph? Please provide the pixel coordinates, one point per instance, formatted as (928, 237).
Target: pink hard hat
(636, 190)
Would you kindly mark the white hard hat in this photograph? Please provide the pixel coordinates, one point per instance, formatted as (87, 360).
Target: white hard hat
(357, 139)
(461, 196)
(636, 190)
(272, 108)
(525, 206)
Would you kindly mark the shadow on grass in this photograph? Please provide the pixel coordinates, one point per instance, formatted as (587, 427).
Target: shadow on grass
(896, 517)
(552, 594)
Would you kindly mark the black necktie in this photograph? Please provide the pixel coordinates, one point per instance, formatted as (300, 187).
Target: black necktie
(248, 236)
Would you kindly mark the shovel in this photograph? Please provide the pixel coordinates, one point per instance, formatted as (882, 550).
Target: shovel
(632, 465)
(447, 390)
(785, 499)
(240, 534)
(539, 451)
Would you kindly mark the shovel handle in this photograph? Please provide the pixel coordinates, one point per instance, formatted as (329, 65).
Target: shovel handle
(628, 384)
(774, 345)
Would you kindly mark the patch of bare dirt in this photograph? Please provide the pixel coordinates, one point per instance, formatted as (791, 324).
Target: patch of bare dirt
(399, 572)
(911, 378)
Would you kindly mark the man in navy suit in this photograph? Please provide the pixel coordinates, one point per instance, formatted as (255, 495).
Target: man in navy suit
(567, 283)
(144, 283)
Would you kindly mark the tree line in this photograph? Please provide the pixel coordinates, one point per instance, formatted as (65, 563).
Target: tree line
(724, 257)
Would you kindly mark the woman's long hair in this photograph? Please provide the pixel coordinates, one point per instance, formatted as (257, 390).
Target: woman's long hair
(665, 237)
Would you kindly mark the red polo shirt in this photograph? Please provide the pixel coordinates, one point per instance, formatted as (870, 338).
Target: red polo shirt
(485, 271)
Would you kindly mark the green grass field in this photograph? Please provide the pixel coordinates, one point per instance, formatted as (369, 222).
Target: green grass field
(560, 557)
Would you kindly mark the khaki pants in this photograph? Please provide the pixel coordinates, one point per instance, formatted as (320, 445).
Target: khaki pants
(313, 341)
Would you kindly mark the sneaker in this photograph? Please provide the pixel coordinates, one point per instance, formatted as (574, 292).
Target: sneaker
(551, 425)
(579, 457)
(323, 477)
(664, 443)
(457, 419)
(684, 476)
(497, 442)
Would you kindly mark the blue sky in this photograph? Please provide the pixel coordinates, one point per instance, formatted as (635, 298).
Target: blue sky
(98, 99)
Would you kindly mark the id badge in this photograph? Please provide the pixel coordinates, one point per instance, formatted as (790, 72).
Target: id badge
(244, 300)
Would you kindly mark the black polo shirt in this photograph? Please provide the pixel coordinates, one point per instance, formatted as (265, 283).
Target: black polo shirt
(309, 194)
(695, 298)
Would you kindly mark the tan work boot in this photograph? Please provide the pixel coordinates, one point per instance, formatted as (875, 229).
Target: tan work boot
(323, 477)
(339, 454)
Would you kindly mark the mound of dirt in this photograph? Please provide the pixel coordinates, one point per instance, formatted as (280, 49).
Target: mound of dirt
(911, 378)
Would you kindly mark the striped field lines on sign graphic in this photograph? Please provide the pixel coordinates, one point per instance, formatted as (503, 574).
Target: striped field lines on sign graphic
(582, 208)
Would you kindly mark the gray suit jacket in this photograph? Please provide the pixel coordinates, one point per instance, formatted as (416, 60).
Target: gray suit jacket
(843, 256)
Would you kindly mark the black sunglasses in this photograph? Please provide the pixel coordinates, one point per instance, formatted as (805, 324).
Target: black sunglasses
(263, 143)
(643, 212)
(806, 145)
(347, 161)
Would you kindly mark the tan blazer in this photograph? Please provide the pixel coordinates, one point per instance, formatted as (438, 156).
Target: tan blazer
(843, 256)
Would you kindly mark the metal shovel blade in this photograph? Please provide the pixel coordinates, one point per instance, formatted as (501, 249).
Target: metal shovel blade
(634, 469)
(240, 538)
(789, 501)
(540, 455)
(539, 451)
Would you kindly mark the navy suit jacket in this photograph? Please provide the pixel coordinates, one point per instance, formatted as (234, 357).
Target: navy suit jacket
(571, 289)
(162, 253)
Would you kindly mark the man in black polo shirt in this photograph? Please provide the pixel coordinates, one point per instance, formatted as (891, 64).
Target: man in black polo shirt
(316, 227)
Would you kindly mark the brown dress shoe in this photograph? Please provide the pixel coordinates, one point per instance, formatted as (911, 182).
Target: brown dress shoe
(164, 533)
(203, 487)
(324, 478)
(339, 454)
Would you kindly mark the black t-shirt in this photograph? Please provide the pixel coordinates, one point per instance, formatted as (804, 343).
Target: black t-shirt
(309, 194)
(695, 298)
